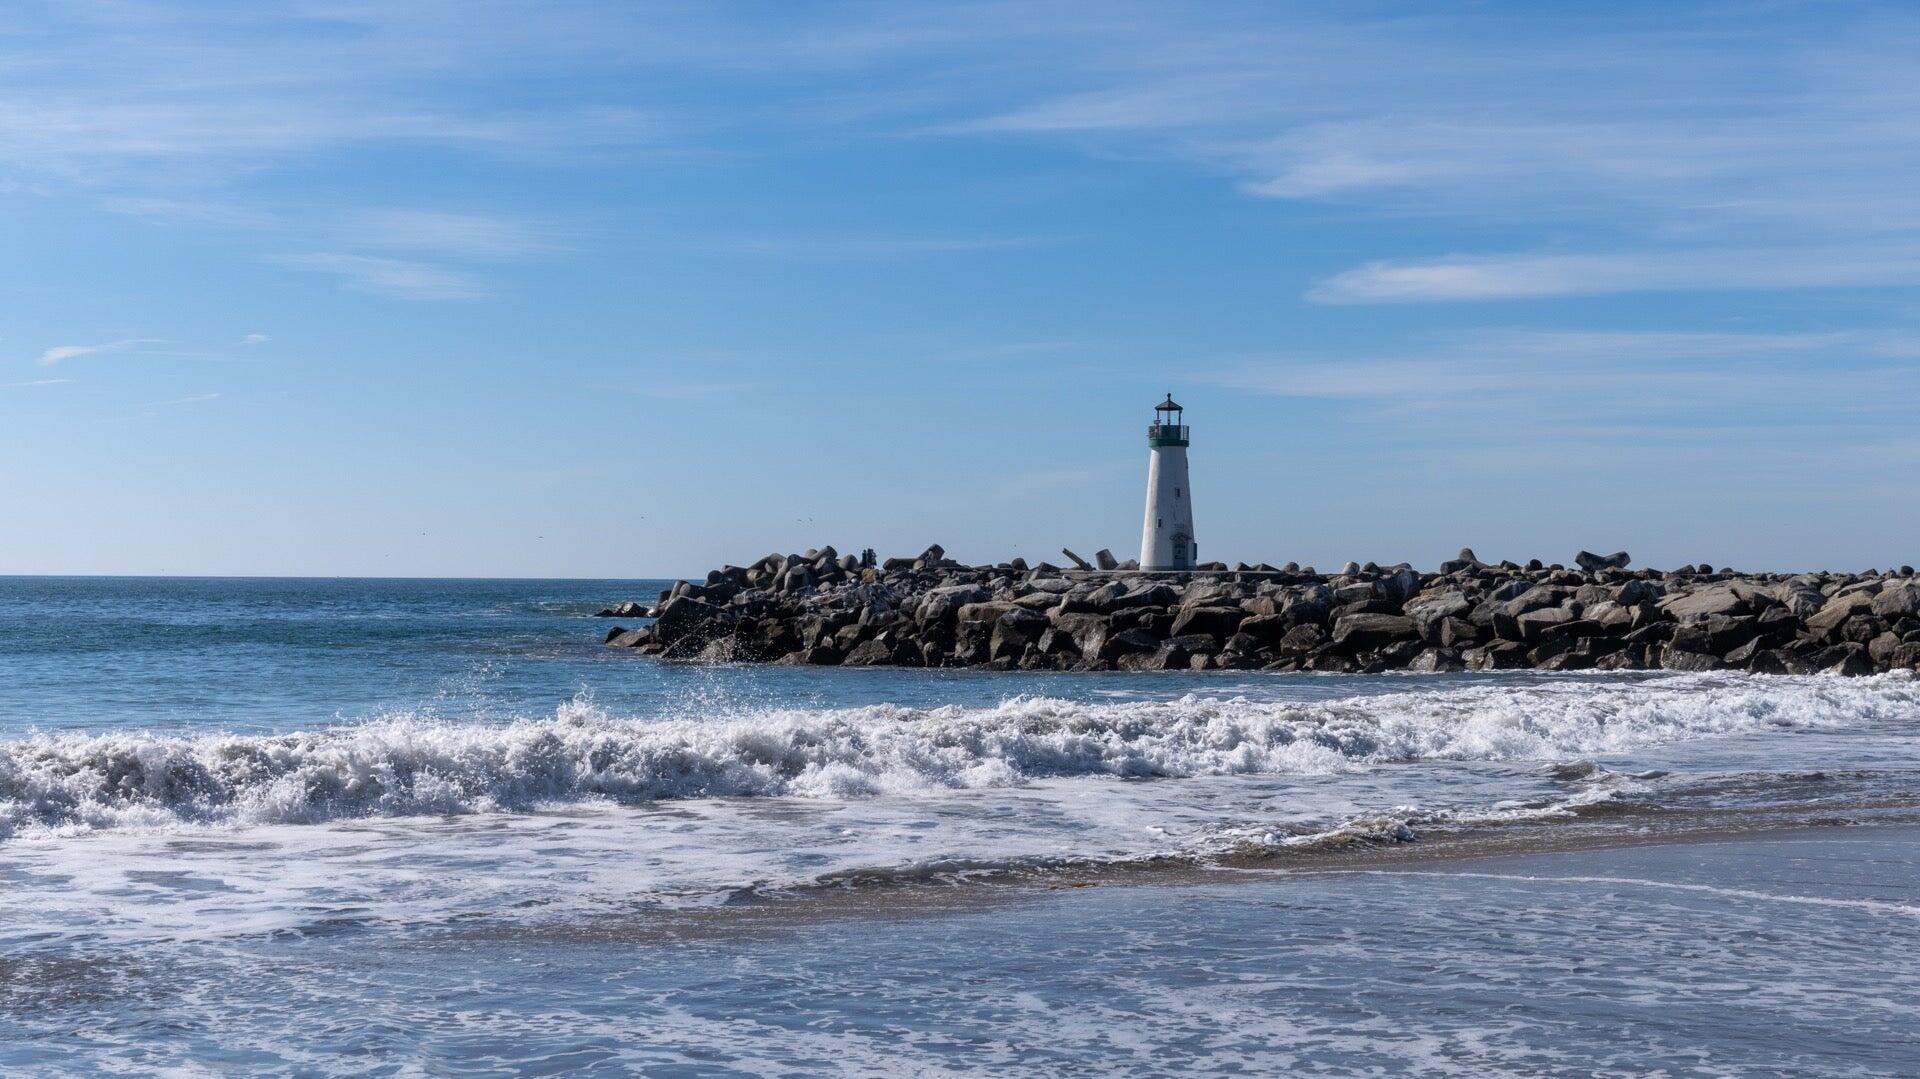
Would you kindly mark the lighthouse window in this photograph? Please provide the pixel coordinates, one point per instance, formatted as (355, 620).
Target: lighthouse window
(1176, 492)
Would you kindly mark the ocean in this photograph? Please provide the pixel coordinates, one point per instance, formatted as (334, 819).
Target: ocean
(433, 827)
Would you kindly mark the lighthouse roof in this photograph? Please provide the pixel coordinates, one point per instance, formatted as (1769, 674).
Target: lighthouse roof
(1168, 405)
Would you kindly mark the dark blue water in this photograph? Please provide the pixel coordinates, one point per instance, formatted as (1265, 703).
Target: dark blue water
(404, 827)
(274, 654)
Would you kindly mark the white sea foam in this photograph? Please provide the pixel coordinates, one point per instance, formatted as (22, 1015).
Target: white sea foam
(406, 765)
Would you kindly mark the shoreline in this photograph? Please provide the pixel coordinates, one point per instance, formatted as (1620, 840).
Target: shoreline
(841, 902)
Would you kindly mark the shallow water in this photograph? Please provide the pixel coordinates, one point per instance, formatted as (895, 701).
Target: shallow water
(326, 826)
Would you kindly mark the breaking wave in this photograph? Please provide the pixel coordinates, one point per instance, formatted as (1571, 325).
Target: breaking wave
(405, 765)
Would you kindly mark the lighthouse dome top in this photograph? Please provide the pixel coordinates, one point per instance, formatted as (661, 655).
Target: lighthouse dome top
(1166, 429)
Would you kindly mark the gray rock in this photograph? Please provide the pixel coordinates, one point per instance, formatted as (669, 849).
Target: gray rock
(1538, 597)
(1716, 635)
(1730, 598)
(874, 653)
(1676, 660)
(1498, 656)
(1434, 660)
(984, 611)
(629, 609)
(684, 615)
(1429, 608)
(1533, 625)
(1301, 640)
(1900, 601)
(1219, 622)
(942, 604)
(1400, 585)
(1827, 621)
(1372, 630)
(1014, 631)
(1594, 563)
(1458, 634)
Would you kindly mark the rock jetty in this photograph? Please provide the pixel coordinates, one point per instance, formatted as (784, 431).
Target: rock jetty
(827, 609)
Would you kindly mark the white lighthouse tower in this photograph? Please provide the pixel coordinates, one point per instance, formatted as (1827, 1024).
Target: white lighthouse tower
(1166, 538)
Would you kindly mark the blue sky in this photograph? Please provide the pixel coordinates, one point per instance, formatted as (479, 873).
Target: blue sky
(570, 289)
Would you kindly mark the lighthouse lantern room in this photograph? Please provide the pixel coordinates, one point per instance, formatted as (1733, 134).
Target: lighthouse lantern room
(1166, 537)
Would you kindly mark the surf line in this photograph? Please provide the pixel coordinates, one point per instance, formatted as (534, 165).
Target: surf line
(1876, 906)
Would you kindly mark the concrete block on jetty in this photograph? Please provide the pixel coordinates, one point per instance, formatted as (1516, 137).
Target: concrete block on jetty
(931, 611)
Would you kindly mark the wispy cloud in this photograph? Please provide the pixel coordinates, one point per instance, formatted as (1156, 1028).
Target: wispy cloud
(255, 339)
(62, 353)
(1522, 388)
(177, 211)
(194, 399)
(696, 391)
(34, 382)
(1014, 350)
(396, 278)
(469, 235)
(1534, 276)
(880, 247)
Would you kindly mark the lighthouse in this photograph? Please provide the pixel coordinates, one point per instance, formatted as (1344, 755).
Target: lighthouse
(1166, 537)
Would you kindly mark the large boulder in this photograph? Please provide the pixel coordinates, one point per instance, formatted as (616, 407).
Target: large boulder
(1798, 596)
(1717, 635)
(1637, 592)
(1848, 659)
(1458, 634)
(1536, 598)
(984, 611)
(1373, 630)
(1612, 616)
(1905, 657)
(1218, 622)
(1434, 660)
(1826, 623)
(1498, 656)
(1533, 625)
(1400, 585)
(629, 609)
(685, 616)
(1014, 631)
(1127, 642)
(874, 653)
(1265, 628)
(1122, 596)
(1723, 599)
(1300, 640)
(1309, 606)
(1900, 601)
(1594, 563)
(943, 604)
(1429, 608)
(1675, 659)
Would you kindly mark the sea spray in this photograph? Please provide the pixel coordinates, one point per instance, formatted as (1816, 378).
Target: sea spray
(408, 764)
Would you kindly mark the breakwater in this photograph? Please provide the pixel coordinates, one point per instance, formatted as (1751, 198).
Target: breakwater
(823, 608)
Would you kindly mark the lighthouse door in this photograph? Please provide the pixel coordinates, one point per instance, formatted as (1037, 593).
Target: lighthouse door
(1180, 551)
